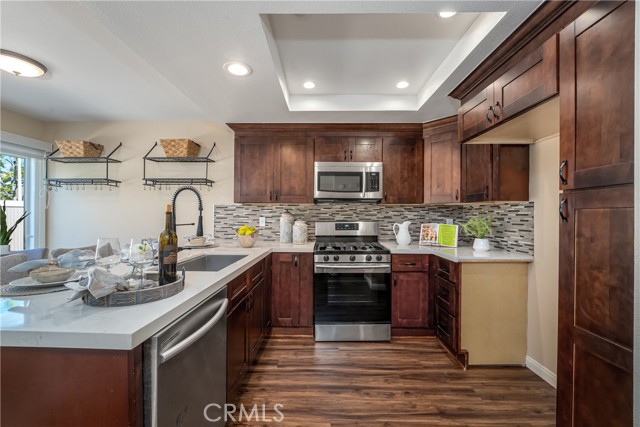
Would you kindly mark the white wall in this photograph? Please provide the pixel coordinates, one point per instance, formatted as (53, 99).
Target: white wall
(542, 329)
(13, 122)
(77, 218)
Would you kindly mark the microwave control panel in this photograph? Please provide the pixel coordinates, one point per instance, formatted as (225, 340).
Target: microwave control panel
(373, 181)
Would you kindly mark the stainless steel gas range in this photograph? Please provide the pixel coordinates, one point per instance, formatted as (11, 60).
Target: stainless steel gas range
(351, 283)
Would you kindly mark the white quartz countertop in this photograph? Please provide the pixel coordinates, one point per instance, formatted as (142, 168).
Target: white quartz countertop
(460, 254)
(48, 320)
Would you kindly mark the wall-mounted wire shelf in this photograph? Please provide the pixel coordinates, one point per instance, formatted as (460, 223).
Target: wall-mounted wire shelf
(69, 183)
(153, 182)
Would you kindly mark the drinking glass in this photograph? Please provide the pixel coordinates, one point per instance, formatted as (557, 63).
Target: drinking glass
(140, 255)
(108, 252)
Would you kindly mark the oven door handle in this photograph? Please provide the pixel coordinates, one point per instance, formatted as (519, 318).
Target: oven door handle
(386, 268)
(182, 345)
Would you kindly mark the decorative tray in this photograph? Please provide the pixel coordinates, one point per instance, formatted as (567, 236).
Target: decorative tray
(138, 296)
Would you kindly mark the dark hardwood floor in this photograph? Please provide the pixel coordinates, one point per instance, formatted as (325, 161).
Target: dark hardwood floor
(408, 382)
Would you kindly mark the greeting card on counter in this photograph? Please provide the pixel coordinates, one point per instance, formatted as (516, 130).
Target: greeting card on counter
(433, 234)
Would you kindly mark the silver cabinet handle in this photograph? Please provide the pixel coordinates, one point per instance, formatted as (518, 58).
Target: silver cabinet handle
(174, 351)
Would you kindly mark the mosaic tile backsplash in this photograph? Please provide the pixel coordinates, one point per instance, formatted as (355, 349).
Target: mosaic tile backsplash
(512, 222)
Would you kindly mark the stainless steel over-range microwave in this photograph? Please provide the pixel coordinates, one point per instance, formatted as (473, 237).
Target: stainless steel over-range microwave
(348, 181)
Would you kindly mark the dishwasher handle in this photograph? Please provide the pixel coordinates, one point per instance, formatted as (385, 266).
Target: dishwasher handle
(182, 345)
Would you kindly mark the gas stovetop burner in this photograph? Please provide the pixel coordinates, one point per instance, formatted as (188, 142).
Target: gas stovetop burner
(349, 247)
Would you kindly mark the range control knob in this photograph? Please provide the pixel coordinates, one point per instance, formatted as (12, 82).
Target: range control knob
(325, 258)
(352, 258)
(336, 257)
(378, 257)
(368, 258)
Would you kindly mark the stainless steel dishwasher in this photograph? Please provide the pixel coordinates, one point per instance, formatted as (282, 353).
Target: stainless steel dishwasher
(185, 367)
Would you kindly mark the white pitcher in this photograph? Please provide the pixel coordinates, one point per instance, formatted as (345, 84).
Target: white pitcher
(402, 235)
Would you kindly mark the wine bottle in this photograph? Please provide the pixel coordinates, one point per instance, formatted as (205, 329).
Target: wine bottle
(167, 252)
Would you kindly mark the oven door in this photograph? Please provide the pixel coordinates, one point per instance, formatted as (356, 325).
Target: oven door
(352, 304)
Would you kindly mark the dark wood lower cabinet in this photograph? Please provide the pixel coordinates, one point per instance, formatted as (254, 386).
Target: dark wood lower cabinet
(595, 337)
(247, 323)
(71, 387)
(411, 300)
(292, 290)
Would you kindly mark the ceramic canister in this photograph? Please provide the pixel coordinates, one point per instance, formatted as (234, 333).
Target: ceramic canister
(300, 232)
(286, 227)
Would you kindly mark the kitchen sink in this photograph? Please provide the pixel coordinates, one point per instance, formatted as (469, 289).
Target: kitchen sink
(209, 262)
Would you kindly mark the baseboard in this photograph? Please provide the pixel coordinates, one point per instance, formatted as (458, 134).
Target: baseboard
(542, 371)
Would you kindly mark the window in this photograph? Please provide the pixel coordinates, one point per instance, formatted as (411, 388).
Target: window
(21, 173)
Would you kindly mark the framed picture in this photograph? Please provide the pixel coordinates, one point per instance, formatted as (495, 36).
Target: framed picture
(439, 235)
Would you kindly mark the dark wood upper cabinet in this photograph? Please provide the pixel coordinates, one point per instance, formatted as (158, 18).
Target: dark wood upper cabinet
(364, 149)
(403, 170)
(273, 169)
(253, 162)
(475, 115)
(495, 172)
(595, 335)
(528, 83)
(292, 290)
(596, 97)
(331, 149)
(293, 170)
(441, 161)
(345, 149)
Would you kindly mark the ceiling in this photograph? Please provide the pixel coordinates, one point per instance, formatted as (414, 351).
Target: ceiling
(135, 60)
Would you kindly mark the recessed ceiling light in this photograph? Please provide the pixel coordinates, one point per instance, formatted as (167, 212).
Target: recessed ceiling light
(20, 65)
(402, 85)
(446, 14)
(309, 85)
(237, 69)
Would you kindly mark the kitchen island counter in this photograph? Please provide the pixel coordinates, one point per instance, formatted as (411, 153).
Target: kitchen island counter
(48, 320)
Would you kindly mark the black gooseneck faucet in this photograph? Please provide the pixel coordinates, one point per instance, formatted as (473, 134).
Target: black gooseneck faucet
(173, 209)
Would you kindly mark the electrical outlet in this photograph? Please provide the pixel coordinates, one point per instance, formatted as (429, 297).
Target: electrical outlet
(261, 222)
(449, 220)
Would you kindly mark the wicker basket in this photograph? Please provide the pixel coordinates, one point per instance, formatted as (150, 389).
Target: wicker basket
(180, 147)
(79, 148)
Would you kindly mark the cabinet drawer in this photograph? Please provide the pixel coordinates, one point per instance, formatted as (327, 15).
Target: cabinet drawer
(410, 262)
(446, 295)
(446, 269)
(446, 329)
(256, 274)
(236, 290)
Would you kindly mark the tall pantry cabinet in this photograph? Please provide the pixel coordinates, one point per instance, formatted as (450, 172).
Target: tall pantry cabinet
(595, 336)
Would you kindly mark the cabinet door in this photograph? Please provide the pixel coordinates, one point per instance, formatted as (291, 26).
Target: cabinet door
(305, 269)
(285, 285)
(236, 345)
(267, 297)
(476, 172)
(364, 149)
(476, 114)
(595, 318)
(531, 81)
(253, 175)
(331, 149)
(510, 172)
(293, 170)
(403, 170)
(596, 97)
(442, 165)
(409, 300)
(255, 320)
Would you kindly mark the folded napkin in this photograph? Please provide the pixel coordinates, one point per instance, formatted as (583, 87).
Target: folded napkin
(101, 283)
(76, 258)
